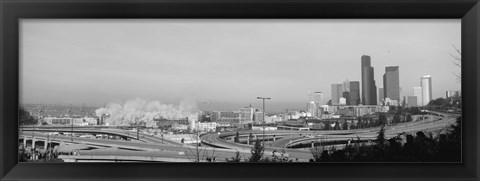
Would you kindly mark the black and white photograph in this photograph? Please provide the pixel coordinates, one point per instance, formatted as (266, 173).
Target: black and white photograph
(240, 90)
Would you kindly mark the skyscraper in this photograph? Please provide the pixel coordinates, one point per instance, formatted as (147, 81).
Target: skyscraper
(337, 92)
(354, 95)
(346, 95)
(346, 86)
(381, 97)
(317, 97)
(417, 92)
(369, 90)
(426, 83)
(314, 104)
(391, 83)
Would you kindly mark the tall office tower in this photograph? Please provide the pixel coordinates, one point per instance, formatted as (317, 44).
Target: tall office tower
(426, 83)
(381, 97)
(346, 86)
(417, 92)
(391, 83)
(346, 95)
(369, 90)
(336, 93)
(452, 93)
(317, 97)
(354, 95)
(314, 104)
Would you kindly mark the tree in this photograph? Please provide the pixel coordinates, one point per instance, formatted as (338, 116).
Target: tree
(277, 156)
(359, 122)
(25, 118)
(325, 156)
(236, 158)
(327, 125)
(382, 119)
(396, 118)
(316, 153)
(345, 126)
(199, 152)
(381, 136)
(438, 102)
(337, 125)
(457, 62)
(250, 138)
(257, 152)
(409, 118)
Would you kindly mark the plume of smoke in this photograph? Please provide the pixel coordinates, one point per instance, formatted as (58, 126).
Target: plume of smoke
(139, 110)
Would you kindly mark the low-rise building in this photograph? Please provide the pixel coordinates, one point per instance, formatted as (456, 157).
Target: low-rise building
(225, 116)
(82, 121)
(206, 126)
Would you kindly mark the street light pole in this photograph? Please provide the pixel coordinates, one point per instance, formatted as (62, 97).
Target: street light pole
(263, 99)
(71, 119)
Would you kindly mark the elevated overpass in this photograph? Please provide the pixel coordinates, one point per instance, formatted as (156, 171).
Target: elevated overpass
(108, 131)
(289, 138)
(120, 150)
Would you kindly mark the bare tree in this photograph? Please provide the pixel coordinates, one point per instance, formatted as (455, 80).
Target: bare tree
(200, 153)
(457, 62)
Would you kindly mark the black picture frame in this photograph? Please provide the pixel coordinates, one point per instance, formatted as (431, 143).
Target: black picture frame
(13, 10)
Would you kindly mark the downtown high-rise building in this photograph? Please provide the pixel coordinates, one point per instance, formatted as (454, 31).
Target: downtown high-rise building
(337, 93)
(417, 92)
(346, 86)
(317, 97)
(346, 96)
(381, 97)
(314, 104)
(354, 94)
(451, 93)
(426, 83)
(369, 89)
(391, 83)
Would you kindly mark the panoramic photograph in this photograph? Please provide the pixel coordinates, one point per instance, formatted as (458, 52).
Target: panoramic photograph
(238, 90)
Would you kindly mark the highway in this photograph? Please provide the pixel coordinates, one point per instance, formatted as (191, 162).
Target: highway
(114, 132)
(295, 137)
(154, 148)
(135, 149)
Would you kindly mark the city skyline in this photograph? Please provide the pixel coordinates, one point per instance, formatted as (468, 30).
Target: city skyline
(97, 62)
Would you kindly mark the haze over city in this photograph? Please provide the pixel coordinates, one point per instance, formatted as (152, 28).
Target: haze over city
(226, 62)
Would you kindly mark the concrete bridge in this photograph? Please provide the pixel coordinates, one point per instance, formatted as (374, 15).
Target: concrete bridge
(123, 134)
(282, 139)
(121, 150)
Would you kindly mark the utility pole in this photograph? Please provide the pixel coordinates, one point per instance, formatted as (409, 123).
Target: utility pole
(138, 138)
(138, 127)
(69, 116)
(263, 99)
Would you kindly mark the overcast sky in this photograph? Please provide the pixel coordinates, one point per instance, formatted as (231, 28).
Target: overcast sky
(229, 62)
